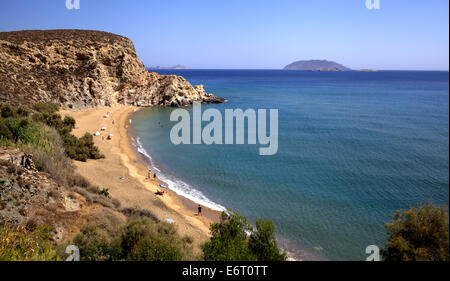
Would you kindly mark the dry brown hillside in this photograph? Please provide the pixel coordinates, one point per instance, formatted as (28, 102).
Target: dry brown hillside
(82, 69)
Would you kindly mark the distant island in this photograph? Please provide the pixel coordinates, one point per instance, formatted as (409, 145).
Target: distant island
(316, 65)
(168, 67)
(367, 70)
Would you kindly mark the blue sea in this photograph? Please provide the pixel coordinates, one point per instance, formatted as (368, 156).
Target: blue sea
(353, 148)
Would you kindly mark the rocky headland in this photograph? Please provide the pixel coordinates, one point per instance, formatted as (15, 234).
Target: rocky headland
(85, 69)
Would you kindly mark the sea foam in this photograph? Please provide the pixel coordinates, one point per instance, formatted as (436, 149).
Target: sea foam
(178, 186)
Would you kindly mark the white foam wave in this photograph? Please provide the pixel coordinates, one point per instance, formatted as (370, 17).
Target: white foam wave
(179, 186)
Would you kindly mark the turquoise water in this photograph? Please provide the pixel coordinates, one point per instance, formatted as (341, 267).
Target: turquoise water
(353, 148)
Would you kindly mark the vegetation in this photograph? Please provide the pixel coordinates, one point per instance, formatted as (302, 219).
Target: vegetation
(18, 128)
(18, 244)
(230, 241)
(263, 244)
(41, 131)
(418, 234)
(79, 149)
(139, 240)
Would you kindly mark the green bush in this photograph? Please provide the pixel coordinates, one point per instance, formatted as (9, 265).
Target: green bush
(138, 240)
(17, 126)
(93, 246)
(18, 244)
(263, 244)
(5, 132)
(418, 234)
(230, 241)
(8, 111)
(23, 112)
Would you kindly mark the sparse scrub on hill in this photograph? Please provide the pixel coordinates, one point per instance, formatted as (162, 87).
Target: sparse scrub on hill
(138, 240)
(48, 137)
(79, 149)
(16, 127)
(19, 244)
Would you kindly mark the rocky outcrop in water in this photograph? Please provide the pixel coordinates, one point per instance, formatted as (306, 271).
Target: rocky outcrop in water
(83, 69)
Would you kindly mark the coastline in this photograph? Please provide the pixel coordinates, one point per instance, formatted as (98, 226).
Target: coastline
(124, 160)
(124, 172)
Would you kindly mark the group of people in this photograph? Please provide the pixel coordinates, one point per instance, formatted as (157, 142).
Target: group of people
(152, 175)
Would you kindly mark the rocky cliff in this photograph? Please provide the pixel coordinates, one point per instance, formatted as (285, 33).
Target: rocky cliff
(82, 69)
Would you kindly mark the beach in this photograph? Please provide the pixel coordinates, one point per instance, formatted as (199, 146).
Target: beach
(125, 175)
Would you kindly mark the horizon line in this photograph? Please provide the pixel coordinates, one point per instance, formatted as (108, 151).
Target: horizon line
(357, 70)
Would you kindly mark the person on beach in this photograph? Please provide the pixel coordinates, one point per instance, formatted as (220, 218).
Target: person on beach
(149, 174)
(199, 213)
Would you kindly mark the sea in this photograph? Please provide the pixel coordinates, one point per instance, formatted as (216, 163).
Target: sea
(353, 147)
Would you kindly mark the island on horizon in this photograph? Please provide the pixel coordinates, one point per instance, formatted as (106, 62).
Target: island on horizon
(316, 65)
(168, 67)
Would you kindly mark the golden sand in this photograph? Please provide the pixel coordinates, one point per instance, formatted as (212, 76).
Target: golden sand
(126, 177)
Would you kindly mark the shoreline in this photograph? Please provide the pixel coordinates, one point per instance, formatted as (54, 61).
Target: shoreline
(124, 172)
(135, 189)
(294, 254)
(210, 213)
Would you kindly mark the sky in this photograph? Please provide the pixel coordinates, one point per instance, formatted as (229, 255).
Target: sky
(250, 34)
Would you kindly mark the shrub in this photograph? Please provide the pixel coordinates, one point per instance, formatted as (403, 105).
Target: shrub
(46, 107)
(92, 245)
(18, 244)
(81, 149)
(263, 244)
(229, 241)
(5, 132)
(23, 112)
(51, 157)
(418, 234)
(136, 213)
(7, 111)
(145, 240)
(139, 240)
(78, 180)
(69, 122)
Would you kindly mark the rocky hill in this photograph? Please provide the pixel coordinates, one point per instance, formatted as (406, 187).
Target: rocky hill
(83, 69)
(316, 65)
(31, 198)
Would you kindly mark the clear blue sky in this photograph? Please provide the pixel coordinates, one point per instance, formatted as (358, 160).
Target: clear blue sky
(257, 33)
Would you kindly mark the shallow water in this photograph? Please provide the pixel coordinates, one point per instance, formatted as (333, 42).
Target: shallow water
(353, 148)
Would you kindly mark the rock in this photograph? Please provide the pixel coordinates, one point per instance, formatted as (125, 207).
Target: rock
(83, 69)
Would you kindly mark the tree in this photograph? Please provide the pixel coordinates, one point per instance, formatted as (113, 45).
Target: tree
(418, 234)
(233, 239)
(263, 244)
(228, 240)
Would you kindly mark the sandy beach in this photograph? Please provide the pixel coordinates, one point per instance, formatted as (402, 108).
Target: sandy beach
(122, 172)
